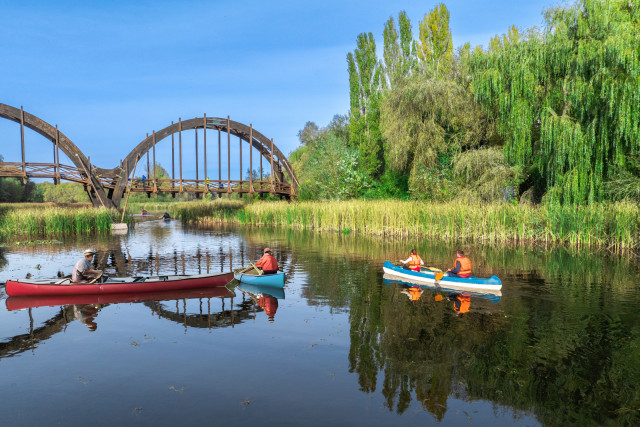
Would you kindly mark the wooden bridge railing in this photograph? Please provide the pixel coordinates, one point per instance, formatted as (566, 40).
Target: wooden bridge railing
(59, 172)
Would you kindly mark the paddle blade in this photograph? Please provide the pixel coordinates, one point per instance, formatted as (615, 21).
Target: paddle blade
(438, 298)
(439, 276)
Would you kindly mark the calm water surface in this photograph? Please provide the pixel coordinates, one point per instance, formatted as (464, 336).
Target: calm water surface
(340, 345)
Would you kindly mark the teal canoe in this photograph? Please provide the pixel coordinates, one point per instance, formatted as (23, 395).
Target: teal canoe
(275, 280)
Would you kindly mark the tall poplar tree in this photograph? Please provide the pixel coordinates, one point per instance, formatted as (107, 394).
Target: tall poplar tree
(435, 45)
(365, 73)
(399, 50)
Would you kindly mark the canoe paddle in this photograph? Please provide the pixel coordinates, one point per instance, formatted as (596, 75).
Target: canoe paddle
(249, 268)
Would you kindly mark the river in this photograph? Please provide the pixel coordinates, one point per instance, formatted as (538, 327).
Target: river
(340, 346)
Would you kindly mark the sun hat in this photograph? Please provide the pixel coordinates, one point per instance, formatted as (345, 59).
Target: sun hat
(89, 251)
(267, 250)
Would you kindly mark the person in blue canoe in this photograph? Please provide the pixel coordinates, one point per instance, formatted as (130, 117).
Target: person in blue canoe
(413, 262)
(461, 266)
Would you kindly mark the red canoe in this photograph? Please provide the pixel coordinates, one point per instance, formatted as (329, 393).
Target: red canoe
(127, 285)
(20, 303)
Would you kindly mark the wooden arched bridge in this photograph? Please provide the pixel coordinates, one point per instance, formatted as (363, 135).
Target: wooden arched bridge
(106, 187)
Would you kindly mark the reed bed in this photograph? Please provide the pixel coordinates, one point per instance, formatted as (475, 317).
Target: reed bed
(223, 210)
(615, 226)
(47, 220)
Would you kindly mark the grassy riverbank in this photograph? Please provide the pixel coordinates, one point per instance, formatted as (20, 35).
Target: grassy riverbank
(614, 226)
(42, 220)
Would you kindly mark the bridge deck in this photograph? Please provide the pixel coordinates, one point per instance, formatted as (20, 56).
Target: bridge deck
(138, 185)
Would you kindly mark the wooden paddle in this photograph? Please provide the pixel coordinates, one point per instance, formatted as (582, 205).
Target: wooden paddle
(242, 270)
(439, 273)
(95, 279)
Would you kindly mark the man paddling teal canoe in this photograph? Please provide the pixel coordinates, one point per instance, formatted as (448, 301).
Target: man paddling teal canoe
(268, 263)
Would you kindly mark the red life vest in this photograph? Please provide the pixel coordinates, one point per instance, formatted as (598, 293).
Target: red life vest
(465, 266)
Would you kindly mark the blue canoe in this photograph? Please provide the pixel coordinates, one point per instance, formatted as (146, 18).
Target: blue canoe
(274, 291)
(276, 280)
(428, 277)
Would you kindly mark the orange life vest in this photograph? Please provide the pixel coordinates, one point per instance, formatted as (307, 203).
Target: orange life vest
(465, 266)
(415, 261)
(414, 293)
(464, 301)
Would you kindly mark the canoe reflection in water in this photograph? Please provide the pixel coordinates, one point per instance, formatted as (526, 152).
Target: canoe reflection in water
(266, 297)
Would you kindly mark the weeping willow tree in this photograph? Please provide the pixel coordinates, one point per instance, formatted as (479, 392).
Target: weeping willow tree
(566, 101)
(424, 119)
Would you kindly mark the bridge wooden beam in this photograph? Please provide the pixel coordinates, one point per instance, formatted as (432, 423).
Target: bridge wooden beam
(197, 177)
(206, 185)
(228, 157)
(180, 143)
(155, 178)
(173, 162)
(250, 158)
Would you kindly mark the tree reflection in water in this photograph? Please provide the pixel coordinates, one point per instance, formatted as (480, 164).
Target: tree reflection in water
(562, 343)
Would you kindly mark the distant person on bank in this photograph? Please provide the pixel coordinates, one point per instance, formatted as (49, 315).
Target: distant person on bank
(461, 266)
(268, 263)
(413, 262)
(83, 270)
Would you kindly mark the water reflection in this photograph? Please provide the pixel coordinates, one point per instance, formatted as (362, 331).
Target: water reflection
(85, 309)
(86, 314)
(559, 343)
(264, 297)
(413, 292)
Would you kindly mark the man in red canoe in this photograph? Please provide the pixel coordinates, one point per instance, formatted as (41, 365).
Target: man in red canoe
(83, 271)
(268, 263)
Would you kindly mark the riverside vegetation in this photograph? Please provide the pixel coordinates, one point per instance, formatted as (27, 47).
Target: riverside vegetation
(614, 226)
(33, 220)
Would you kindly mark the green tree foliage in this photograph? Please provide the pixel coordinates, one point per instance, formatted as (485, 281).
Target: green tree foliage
(567, 100)
(68, 192)
(435, 46)
(425, 119)
(13, 190)
(327, 166)
(484, 174)
(308, 133)
(399, 51)
(365, 91)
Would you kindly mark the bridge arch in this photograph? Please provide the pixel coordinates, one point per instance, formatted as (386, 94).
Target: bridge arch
(95, 188)
(263, 145)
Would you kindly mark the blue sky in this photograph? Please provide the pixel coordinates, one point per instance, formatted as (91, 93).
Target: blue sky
(108, 72)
